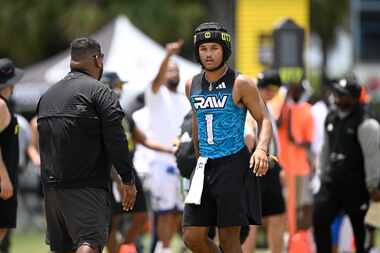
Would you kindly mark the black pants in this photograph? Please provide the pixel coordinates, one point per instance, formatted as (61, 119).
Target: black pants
(327, 206)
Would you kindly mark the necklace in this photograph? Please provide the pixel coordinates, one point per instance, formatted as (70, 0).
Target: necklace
(211, 84)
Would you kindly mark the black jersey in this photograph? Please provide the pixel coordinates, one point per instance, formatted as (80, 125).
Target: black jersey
(9, 145)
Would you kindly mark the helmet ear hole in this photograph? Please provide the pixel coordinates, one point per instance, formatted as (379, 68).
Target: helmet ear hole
(212, 32)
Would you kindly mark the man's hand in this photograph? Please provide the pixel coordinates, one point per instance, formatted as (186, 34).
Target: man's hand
(259, 162)
(6, 188)
(174, 47)
(129, 196)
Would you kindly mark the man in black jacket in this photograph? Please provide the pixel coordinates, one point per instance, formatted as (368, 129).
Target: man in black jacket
(80, 136)
(348, 164)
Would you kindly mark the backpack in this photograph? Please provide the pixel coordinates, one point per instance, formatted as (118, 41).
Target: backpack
(185, 157)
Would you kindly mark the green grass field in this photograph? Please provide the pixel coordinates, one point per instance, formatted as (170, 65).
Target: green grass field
(29, 242)
(34, 242)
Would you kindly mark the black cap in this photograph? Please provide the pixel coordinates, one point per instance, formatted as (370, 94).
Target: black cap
(9, 74)
(347, 87)
(111, 79)
(268, 77)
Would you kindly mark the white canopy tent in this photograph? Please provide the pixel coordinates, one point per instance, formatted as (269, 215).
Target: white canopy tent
(128, 51)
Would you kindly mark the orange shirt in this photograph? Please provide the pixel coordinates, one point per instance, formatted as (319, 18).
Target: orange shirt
(293, 158)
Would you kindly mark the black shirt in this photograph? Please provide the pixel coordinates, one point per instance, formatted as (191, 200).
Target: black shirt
(9, 146)
(81, 135)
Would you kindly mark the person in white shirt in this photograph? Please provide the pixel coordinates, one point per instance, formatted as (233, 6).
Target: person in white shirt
(167, 108)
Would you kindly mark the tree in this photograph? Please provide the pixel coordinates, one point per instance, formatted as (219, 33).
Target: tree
(32, 30)
(326, 17)
(223, 11)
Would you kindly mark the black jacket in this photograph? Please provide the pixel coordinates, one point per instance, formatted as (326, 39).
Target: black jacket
(344, 179)
(81, 135)
(345, 153)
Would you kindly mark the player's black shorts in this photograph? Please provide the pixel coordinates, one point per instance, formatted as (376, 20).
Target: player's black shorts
(271, 192)
(231, 194)
(76, 217)
(8, 212)
(140, 203)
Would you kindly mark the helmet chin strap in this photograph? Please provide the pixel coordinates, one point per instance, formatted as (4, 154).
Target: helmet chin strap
(214, 69)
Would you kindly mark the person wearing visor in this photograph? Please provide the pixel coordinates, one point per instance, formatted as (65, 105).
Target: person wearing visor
(224, 190)
(348, 164)
(113, 81)
(9, 147)
(272, 199)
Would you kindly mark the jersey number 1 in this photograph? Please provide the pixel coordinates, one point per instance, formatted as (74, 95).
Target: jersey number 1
(210, 134)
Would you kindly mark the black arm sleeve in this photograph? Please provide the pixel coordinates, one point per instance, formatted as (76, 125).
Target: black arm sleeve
(115, 141)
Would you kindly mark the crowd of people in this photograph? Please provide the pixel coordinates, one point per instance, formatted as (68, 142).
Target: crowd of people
(223, 158)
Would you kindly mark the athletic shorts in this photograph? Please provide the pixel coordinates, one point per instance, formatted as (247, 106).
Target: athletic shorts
(76, 217)
(273, 202)
(165, 187)
(140, 202)
(8, 212)
(230, 196)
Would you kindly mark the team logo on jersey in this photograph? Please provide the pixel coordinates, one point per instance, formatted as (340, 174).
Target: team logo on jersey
(221, 86)
(207, 102)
